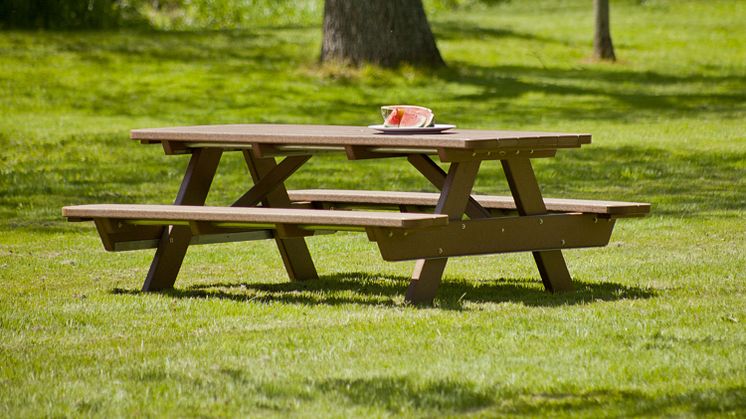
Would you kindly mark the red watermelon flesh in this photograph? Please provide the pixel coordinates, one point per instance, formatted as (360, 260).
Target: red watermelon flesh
(394, 118)
(408, 116)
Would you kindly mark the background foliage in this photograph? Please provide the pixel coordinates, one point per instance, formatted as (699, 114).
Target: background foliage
(175, 14)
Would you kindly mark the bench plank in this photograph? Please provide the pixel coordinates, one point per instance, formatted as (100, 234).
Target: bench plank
(257, 215)
(615, 208)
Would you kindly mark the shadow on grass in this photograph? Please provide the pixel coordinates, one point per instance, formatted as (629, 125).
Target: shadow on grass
(436, 397)
(682, 182)
(636, 94)
(388, 290)
(398, 394)
(458, 31)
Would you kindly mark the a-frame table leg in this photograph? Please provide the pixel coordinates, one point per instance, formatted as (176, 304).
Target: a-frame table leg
(528, 201)
(175, 240)
(453, 200)
(294, 251)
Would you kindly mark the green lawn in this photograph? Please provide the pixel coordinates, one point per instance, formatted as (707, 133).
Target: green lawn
(655, 328)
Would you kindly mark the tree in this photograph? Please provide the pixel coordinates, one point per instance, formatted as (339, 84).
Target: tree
(603, 49)
(383, 32)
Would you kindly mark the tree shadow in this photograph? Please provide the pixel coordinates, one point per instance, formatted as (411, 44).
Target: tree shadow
(401, 394)
(634, 93)
(412, 395)
(652, 174)
(360, 288)
(450, 30)
(236, 50)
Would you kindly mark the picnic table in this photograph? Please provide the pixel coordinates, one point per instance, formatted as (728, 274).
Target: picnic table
(426, 227)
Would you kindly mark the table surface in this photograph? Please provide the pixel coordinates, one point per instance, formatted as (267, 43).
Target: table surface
(340, 135)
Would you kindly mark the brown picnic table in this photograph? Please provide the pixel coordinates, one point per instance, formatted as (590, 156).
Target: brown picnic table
(426, 227)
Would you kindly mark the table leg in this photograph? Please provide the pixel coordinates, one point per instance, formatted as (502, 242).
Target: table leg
(528, 201)
(453, 201)
(175, 240)
(294, 251)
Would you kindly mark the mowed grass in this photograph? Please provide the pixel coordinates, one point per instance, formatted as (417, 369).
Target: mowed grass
(656, 326)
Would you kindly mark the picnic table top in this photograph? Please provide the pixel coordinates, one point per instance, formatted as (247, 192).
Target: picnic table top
(340, 135)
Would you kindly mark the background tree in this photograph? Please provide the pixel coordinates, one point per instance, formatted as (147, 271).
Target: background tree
(603, 49)
(383, 32)
(63, 14)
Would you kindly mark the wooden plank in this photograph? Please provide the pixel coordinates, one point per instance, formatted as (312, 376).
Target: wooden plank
(273, 179)
(263, 150)
(227, 237)
(494, 235)
(528, 201)
(338, 135)
(454, 155)
(364, 153)
(175, 240)
(293, 250)
(255, 215)
(430, 199)
(453, 202)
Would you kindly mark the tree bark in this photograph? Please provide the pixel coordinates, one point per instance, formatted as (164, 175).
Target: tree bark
(603, 49)
(383, 32)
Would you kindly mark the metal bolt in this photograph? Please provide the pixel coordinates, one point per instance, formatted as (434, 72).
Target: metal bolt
(517, 152)
(541, 221)
(502, 230)
(406, 233)
(502, 153)
(531, 152)
(391, 234)
(595, 220)
(563, 242)
(440, 250)
(463, 226)
(474, 154)
(170, 239)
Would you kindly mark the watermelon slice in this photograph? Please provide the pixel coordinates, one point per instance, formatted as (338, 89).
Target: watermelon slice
(407, 116)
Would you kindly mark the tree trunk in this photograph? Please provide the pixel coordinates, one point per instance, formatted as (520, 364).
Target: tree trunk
(383, 32)
(603, 49)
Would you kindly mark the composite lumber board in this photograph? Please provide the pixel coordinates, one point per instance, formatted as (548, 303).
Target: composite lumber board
(616, 208)
(338, 135)
(495, 235)
(254, 215)
(119, 245)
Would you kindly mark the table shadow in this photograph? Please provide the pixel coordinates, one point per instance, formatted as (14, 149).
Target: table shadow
(388, 290)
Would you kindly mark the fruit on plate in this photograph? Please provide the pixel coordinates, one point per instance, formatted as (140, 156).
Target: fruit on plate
(407, 116)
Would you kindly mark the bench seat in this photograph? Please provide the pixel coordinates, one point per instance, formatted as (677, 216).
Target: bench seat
(352, 198)
(251, 215)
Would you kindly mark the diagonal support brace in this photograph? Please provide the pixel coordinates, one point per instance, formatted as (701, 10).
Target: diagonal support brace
(273, 179)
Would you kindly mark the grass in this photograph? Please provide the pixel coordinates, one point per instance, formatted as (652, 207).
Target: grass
(655, 328)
